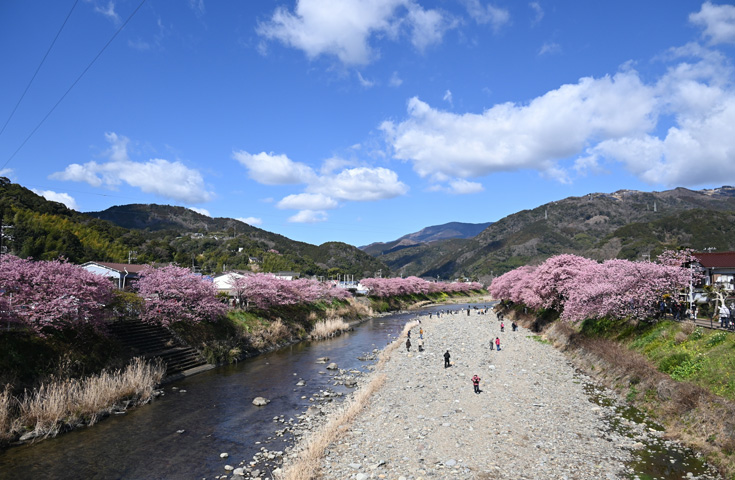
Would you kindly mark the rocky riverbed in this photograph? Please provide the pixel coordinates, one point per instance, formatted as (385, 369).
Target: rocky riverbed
(533, 418)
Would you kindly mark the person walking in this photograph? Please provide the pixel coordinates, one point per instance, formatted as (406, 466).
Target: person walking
(476, 383)
(421, 345)
(408, 344)
(502, 326)
(446, 359)
(514, 325)
(497, 343)
(421, 333)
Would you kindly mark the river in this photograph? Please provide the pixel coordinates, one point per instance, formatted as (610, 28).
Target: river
(182, 433)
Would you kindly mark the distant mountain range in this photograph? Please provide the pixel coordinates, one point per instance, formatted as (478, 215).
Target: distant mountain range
(624, 224)
(427, 235)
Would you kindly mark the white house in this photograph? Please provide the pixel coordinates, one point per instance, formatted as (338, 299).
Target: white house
(121, 274)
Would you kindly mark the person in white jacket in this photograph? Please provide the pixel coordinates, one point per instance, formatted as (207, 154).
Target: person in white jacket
(724, 314)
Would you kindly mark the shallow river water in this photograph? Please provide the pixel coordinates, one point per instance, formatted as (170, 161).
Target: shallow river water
(182, 433)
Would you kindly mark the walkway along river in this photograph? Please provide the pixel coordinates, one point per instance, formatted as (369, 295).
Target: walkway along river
(181, 434)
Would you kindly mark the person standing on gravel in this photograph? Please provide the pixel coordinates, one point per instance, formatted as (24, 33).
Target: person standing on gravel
(446, 359)
(497, 343)
(408, 344)
(476, 383)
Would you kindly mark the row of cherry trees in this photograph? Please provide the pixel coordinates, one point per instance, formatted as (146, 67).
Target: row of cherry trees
(265, 290)
(53, 295)
(580, 288)
(391, 287)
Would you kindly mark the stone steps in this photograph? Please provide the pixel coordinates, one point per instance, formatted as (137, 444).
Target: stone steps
(153, 341)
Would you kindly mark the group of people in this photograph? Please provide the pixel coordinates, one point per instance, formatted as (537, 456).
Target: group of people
(494, 345)
(420, 342)
(727, 316)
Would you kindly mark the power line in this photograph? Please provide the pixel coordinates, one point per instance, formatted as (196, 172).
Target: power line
(39, 67)
(73, 84)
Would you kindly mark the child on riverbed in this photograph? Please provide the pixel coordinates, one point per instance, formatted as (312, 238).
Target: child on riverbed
(497, 343)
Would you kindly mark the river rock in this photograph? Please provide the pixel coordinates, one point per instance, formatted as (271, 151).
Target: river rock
(322, 360)
(332, 366)
(260, 401)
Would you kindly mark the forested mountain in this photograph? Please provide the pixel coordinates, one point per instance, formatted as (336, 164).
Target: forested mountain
(42, 229)
(625, 224)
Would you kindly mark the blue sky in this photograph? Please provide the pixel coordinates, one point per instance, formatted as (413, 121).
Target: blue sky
(363, 120)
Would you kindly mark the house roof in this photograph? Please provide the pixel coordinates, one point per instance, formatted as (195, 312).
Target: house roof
(119, 267)
(716, 259)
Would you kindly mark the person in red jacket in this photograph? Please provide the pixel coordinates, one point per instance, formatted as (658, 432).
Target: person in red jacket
(476, 383)
(497, 343)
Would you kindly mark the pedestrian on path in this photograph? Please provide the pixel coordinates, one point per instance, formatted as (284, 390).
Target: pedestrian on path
(476, 383)
(421, 333)
(497, 343)
(502, 326)
(408, 344)
(446, 359)
(421, 345)
(514, 325)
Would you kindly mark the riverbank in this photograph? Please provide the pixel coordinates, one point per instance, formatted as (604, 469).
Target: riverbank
(532, 419)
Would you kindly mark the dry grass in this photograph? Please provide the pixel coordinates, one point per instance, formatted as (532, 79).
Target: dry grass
(6, 417)
(328, 328)
(307, 464)
(66, 403)
(688, 327)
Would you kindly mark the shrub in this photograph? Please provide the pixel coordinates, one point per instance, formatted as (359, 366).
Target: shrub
(672, 362)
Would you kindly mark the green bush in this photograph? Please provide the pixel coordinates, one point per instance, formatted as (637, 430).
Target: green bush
(674, 361)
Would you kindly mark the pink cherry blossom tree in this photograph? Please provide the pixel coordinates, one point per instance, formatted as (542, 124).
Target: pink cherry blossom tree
(51, 295)
(174, 294)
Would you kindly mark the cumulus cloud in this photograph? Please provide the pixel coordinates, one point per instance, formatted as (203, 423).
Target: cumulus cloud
(309, 216)
(271, 169)
(510, 136)
(201, 211)
(718, 22)
(64, 198)
(464, 187)
(360, 184)
(158, 176)
(308, 201)
(345, 28)
(251, 220)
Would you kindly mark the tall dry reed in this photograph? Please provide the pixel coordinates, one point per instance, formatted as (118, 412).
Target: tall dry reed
(6, 416)
(66, 403)
(328, 328)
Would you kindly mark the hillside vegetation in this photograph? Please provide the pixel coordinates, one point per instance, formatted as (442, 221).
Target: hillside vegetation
(625, 224)
(46, 230)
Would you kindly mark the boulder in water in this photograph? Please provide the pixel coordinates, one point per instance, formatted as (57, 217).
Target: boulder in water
(260, 401)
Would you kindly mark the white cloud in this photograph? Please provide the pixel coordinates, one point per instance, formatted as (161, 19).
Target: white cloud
(271, 169)
(200, 211)
(308, 201)
(497, 17)
(64, 198)
(508, 137)
(157, 176)
(4, 172)
(360, 184)
(536, 7)
(345, 28)
(395, 80)
(718, 22)
(364, 82)
(427, 26)
(108, 11)
(251, 220)
(197, 6)
(448, 97)
(549, 47)
(309, 216)
(464, 187)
